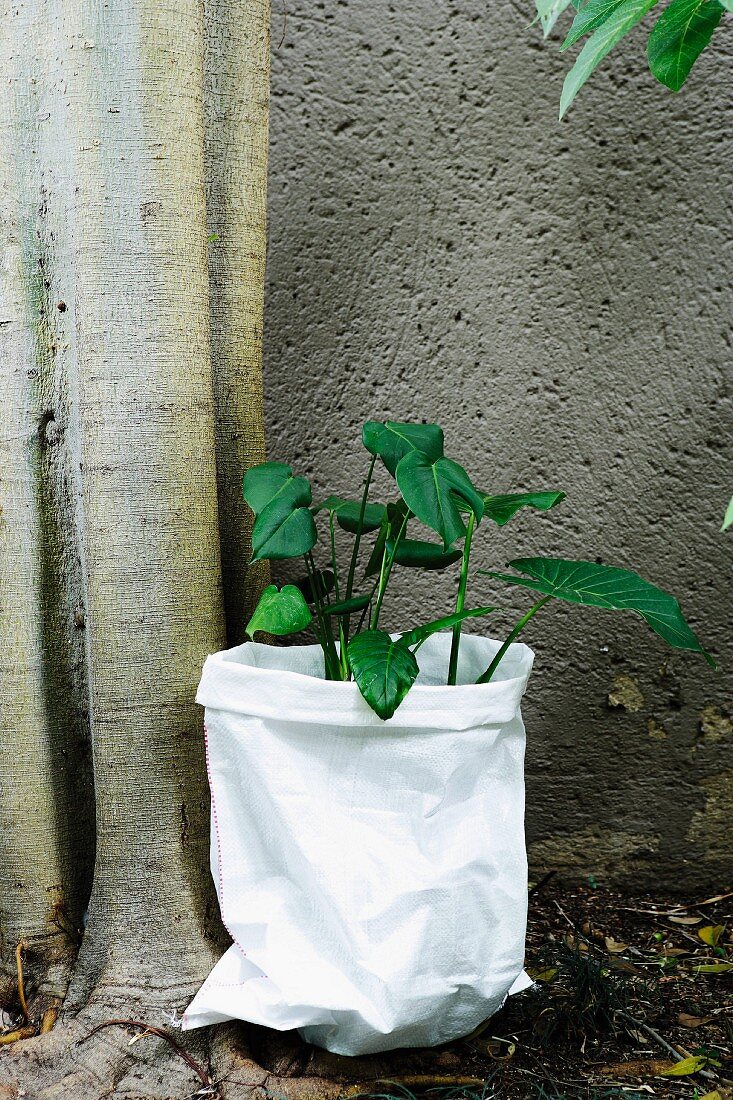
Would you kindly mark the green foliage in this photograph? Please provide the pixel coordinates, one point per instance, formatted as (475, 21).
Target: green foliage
(384, 670)
(679, 35)
(391, 441)
(429, 489)
(728, 518)
(502, 508)
(417, 554)
(438, 492)
(595, 585)
(280, 611)
(607, 33)
(284, 526)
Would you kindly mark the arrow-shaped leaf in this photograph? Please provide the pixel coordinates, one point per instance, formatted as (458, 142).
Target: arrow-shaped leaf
(428, 489)
(393, 440)
(282, 611)
(679, 36)
(605, 586)
(384, 670)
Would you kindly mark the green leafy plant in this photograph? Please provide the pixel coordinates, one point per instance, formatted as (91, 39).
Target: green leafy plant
(680, 33)
(431, 489)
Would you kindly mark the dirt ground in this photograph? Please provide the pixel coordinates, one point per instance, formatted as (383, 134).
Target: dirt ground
(633, 998)
(627, 990)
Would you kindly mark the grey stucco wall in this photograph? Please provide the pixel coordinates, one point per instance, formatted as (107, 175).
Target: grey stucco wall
(558, 297)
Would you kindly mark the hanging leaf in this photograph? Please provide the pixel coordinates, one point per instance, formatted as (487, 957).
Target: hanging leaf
(393, 440)
(280, 611)
(679, 36)
(728, 519)
(284, 526)
(601, 42)
(326, 584)
(384, 670)
(421, 633)
(429, 489)
(348, 607)
(423, 555)
(605, 586)
(686, 1067)
(588, 17)
(549, 11)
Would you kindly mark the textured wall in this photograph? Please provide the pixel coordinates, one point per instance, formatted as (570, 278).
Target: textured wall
(559, 298)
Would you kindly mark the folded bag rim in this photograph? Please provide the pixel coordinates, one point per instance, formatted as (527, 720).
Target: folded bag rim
(234, 680)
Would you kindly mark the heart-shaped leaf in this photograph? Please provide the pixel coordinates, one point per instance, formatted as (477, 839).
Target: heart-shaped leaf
(429, 490)
(421, 633)
(393, 440)
(594, 585)
(284, 526)
(384, 670)
(347, 607)
(679, 36)
(422, 555)
(280, 611)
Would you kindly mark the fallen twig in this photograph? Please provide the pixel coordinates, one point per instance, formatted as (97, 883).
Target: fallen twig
(161, 1034)
(21, 987)
(20, 1033)
(680, 1054)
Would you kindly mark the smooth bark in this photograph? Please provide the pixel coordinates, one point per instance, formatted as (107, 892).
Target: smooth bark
(121, 120)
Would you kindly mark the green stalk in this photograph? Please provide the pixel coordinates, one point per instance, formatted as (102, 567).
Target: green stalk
(357, 544)
(343, 663)
(333, 667)
(386, 569)
(334, 563)
(460, 601)
(484, 679)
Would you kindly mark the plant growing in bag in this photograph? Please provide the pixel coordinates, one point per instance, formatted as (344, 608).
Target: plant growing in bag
(343, 600)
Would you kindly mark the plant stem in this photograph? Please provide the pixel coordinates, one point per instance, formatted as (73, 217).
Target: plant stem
(387, 563)
(331, 661)
(357, 544)
(514, 634)
(334, 562)
(460, 600)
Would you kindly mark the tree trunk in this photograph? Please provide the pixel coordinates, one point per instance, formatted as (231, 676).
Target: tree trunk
(110, 526)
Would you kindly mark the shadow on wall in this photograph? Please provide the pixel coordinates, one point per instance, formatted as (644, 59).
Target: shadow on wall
(558, 297)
